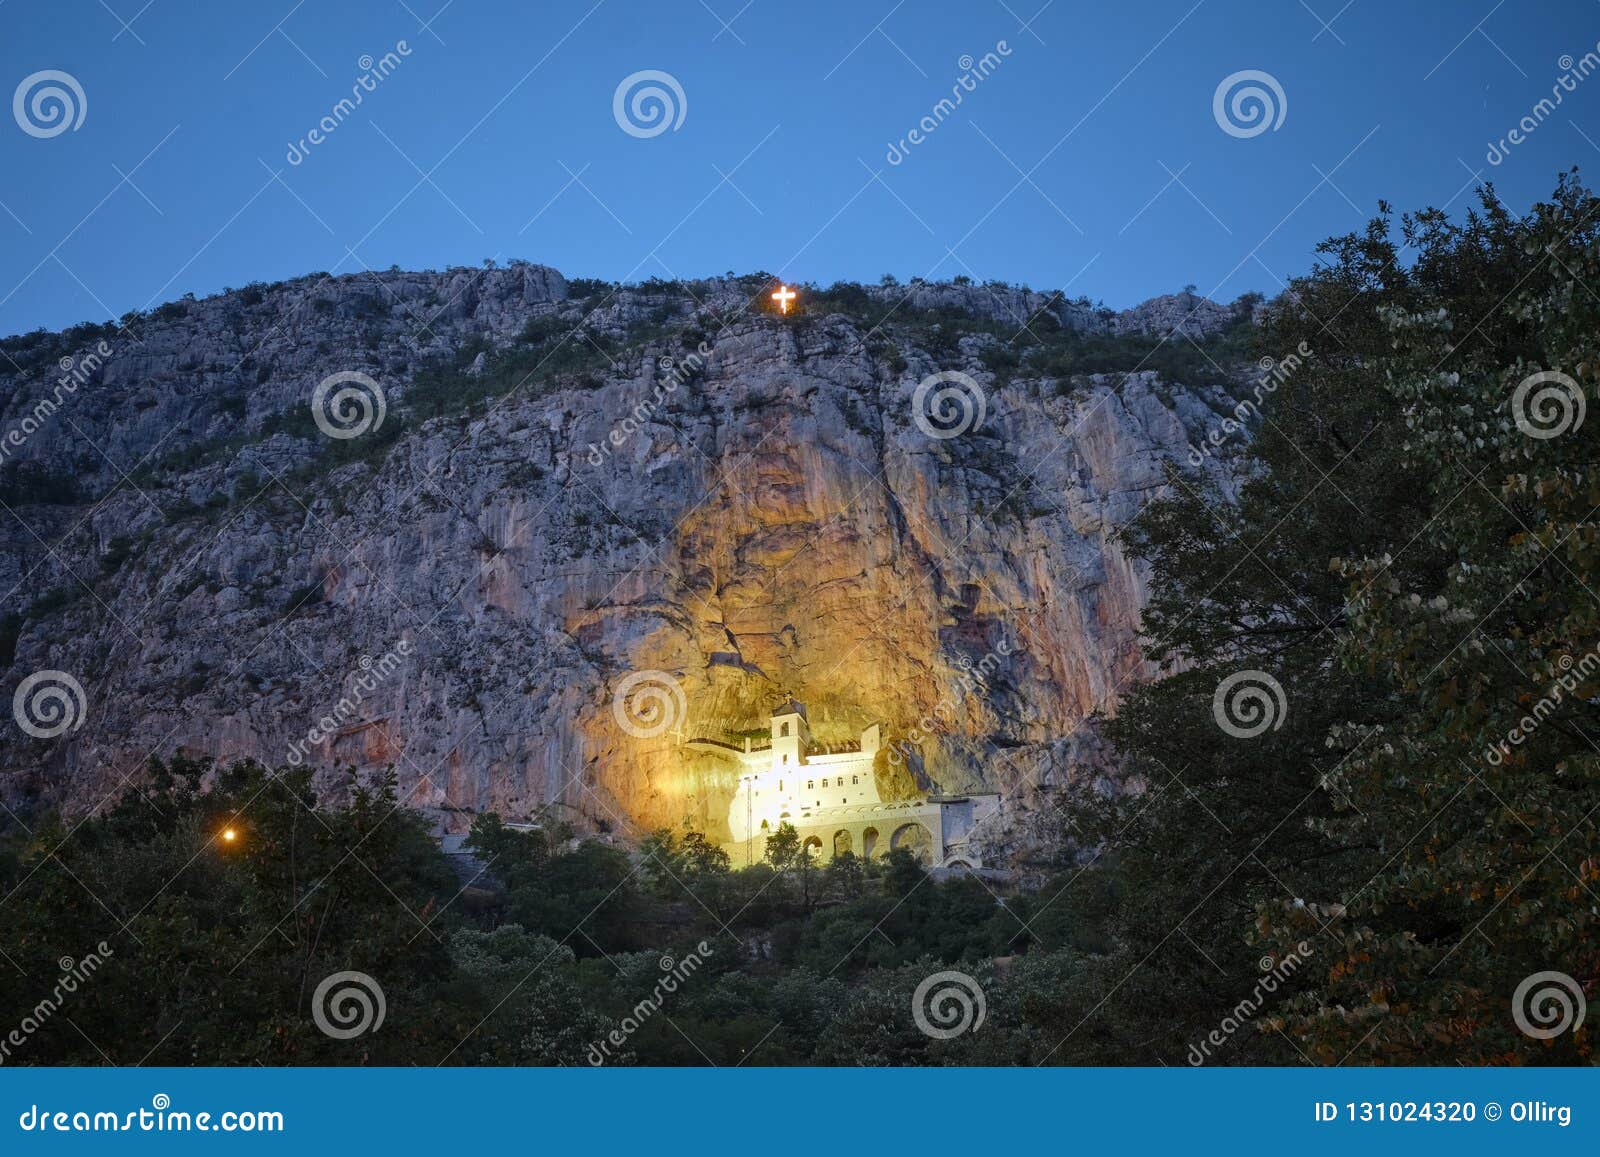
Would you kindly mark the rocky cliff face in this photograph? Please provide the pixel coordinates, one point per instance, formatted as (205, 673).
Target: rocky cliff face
(648, 530)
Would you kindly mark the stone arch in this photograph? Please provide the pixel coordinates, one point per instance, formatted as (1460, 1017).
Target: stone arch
(812, 848)
(842, 843)
(914, 838)
(959, 866)
(869, 843)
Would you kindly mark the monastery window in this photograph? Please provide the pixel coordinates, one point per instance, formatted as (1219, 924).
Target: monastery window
(808, 785)
(783, 730)
(854, 779)
(786, 759)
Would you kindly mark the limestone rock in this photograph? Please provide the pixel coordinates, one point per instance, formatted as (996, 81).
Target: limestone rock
(467, 602)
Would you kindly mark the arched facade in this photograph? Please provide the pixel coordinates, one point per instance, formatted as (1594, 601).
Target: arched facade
(914, 838)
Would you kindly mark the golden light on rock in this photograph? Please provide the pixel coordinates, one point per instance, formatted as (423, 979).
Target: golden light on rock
(783, 295)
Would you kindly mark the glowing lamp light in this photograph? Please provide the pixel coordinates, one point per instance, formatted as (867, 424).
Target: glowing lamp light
(229, 835)
(783, 295)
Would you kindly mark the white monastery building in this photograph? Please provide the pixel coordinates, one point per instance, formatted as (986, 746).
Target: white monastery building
(830, 795)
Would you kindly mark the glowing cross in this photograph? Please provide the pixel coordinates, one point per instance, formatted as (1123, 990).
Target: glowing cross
(783, 296)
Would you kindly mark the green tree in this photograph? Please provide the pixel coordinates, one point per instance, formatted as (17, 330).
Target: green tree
(688, 867)
(1481, 796)
(1244, 599)
(223, 941)
(844, 878)
(783, 848)
(1407, 569)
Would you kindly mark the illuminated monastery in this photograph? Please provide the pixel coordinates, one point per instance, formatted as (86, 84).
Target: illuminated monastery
(830, 795)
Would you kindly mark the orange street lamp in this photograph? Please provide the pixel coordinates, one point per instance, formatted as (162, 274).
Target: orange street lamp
(783, 296)
(229, 835)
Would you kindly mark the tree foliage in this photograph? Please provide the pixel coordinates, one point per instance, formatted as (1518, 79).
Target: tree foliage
(1414, 569)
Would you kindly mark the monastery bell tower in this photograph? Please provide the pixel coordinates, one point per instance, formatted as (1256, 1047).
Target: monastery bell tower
(791, 735)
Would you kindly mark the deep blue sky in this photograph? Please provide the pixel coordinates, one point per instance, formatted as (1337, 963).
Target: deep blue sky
(503, 103)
